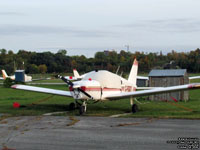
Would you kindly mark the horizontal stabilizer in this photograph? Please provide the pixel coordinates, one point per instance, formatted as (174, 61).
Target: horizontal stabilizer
(142, 78)
(70, 78)
(195, 77)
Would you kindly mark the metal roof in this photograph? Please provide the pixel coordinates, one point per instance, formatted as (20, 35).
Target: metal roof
(167, 72)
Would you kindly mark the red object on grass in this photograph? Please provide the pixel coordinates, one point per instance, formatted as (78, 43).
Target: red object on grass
(16, 105)
(174, 99)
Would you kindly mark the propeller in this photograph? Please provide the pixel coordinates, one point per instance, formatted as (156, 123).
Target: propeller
(65, 80)
(88, 95)
(71, 84)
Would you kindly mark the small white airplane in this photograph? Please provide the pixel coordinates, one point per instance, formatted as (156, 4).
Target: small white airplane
(26, 78)
(75, 77)
(4, 74)
(103, 85)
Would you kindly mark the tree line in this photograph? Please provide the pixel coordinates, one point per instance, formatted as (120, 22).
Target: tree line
(60, 62)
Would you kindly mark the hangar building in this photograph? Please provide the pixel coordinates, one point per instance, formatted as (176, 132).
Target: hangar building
(169, 77)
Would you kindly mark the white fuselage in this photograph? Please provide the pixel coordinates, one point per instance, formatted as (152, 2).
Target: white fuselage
(101, 84)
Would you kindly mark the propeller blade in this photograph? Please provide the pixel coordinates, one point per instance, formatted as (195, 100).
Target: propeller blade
(65, 80)
(88, 95)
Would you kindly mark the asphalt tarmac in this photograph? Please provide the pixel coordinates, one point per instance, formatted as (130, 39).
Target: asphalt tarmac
(91, 133)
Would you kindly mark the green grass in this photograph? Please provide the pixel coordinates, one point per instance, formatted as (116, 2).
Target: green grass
(59, 104)
(8, 96)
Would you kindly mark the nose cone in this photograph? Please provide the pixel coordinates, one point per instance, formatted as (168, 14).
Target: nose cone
(84, 85)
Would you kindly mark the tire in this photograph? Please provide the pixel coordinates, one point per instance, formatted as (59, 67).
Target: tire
(134, 108)
(72, 106)
(82, 110)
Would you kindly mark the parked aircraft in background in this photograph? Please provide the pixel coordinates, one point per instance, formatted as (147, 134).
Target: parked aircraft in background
(103, 85)
(4, 74)
(26, 77)
(76, 76)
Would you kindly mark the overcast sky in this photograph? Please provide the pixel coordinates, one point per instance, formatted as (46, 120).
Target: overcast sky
(86, 26)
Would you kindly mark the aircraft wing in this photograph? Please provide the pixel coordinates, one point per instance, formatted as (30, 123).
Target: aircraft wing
(42, 90)
(195, 77)
(154, 91)
(147, 88)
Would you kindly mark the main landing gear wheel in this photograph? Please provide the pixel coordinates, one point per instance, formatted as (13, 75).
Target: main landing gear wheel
(82, 110)
(72, 106)
(134, 108)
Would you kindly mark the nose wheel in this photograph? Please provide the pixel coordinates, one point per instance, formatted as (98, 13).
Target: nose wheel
(82, 107)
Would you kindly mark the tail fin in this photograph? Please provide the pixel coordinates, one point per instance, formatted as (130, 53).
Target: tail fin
(4, 74)
(133, 74)
(76, 74)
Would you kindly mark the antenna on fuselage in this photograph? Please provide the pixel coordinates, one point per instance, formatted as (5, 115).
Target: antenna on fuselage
(121, 74)
(117, 69)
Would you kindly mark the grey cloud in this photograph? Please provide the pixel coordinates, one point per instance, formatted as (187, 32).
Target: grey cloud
(170, 25)
(36, 29)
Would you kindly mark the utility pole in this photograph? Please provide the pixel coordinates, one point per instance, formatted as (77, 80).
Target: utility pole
(127, 47)
(14, 66)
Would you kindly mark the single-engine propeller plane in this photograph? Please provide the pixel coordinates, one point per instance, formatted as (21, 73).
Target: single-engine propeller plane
(26, 77)
(102, 85)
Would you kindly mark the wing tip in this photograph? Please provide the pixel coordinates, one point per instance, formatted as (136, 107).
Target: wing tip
(135, 62)
(14, 86)
(195, 85)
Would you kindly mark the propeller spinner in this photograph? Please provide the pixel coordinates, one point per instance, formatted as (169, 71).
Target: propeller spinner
(72, 86)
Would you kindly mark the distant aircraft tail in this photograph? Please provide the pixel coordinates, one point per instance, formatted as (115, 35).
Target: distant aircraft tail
(133, 74)
(76, 74)
(4, 74)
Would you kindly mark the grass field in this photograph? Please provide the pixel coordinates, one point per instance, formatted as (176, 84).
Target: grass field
(38, 104)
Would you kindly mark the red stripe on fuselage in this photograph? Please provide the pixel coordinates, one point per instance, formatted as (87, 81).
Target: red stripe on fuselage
(124, 89)
(99, 89)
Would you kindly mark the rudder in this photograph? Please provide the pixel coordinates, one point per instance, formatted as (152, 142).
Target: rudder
(4, 74)
(133, 74)
(76, 74)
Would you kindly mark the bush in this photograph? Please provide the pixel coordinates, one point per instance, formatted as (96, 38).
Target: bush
(8, 82)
